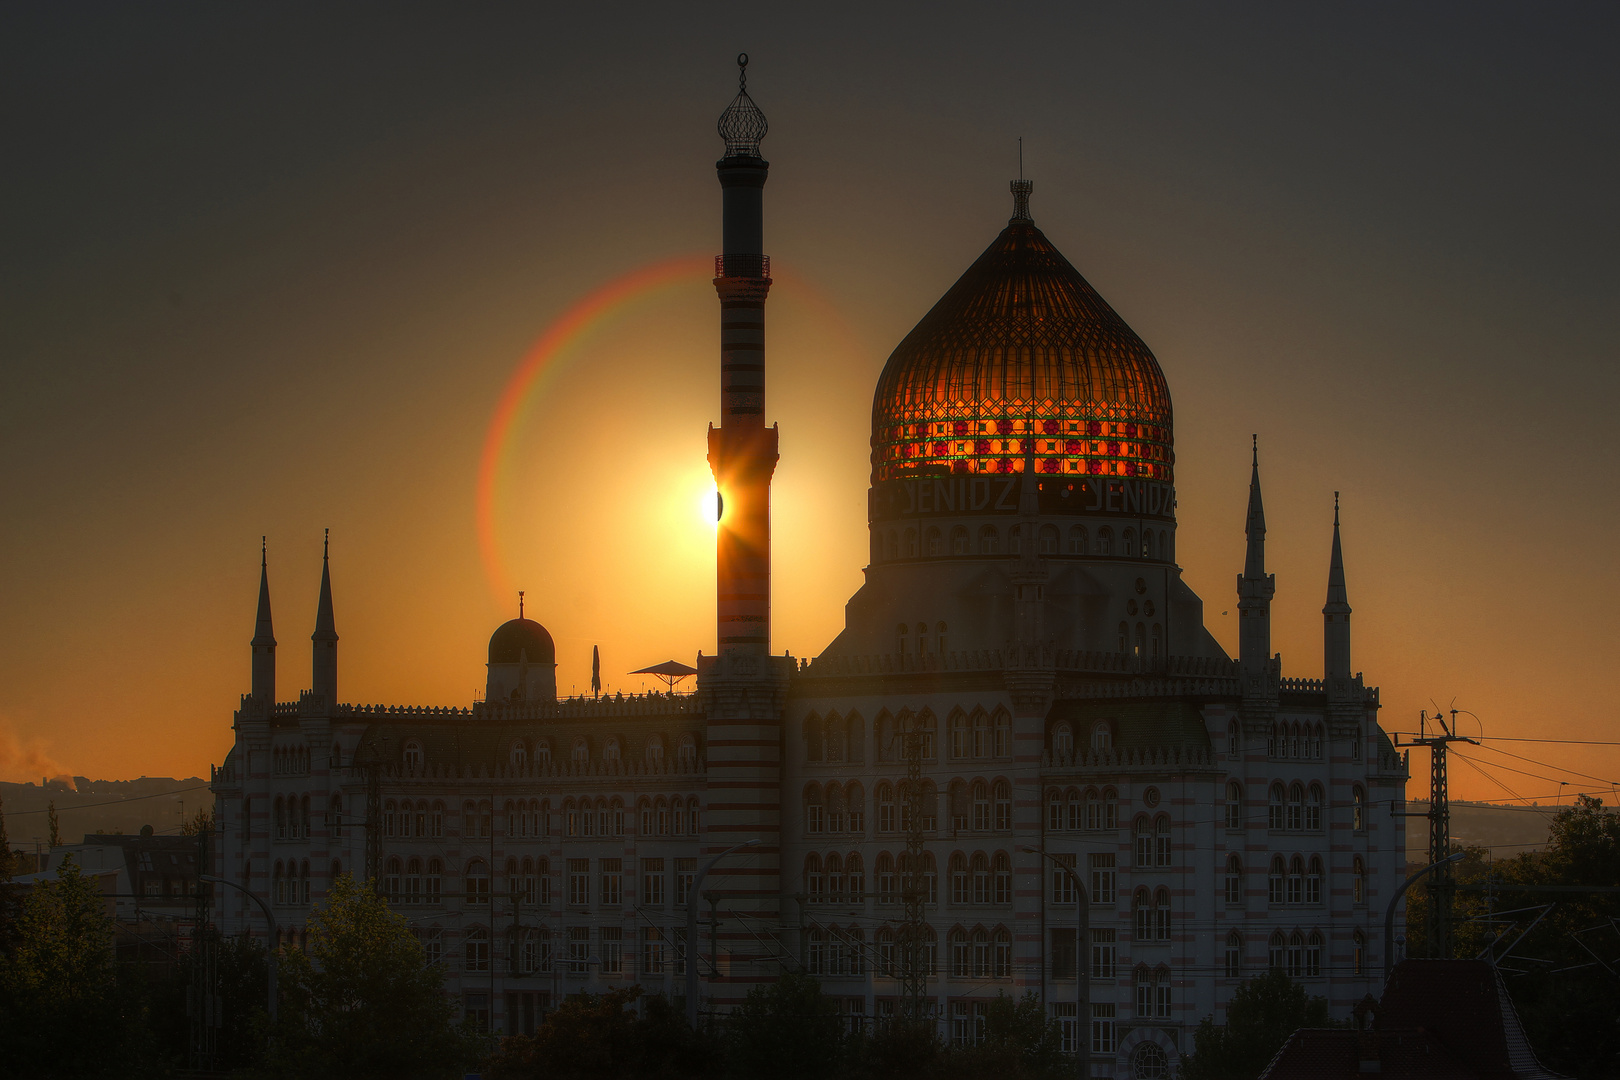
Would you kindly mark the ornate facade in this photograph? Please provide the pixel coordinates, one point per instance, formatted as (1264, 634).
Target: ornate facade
(1024, 765)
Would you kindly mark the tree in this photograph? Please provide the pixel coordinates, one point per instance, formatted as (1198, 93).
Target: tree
(8, 860)
(1016, 1042)
(59, 985)
(591, 1037)
(364, 1001)
(55, 827)
(787, 1030)
(1264, 1011)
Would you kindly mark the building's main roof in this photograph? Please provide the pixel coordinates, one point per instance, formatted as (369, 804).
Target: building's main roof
(1022, 345)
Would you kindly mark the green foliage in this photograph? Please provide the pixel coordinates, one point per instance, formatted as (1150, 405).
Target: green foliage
(1264, 1011)
(53, 827)
(896, 1051)
(1018, 1042)
(787, 1030)
(364, 1001)
(601, 1038)
(62, 1005)
(8, 859)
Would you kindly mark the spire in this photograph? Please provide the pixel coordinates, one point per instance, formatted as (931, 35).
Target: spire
(325, 637)
(1255, 587)
(743, 124)
(520, 603)
(264, 640)
(1336, 619)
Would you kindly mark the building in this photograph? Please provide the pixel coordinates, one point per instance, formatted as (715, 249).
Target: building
(1024, 707)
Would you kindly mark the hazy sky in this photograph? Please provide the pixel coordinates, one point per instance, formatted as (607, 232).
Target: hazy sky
(266, 269)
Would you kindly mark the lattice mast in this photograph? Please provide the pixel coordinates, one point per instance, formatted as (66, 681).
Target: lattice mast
(913, 887)
(1442, 885)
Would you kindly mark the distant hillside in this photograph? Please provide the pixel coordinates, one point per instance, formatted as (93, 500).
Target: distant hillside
(104, 806)
(1506, 830)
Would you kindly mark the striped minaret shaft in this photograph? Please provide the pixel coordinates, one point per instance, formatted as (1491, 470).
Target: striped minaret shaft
(744, 686)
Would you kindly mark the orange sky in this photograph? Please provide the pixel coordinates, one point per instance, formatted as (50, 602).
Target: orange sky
(264, 276)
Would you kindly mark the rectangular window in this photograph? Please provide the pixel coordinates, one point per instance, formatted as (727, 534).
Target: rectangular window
(579, 950)
(685, 871)
(961, 1023)
(1103, 878)
(1063, 890)
(477, 1012)
(857, 821)
(579, 882)
(1104, 954)
(1063, 953)
(612, 894)
(433, 945)
(1234, 959)
(1066, 1015)
(652, 950)
(1104, 1038)
(816, 820)
(652, 882)
(612, 950)
(543, 889)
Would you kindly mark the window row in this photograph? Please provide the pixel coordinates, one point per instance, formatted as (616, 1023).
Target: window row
(889, 545)
(1099, 736)
(978, 735)
(521, 754)
(290, 761)
(1072, 811)
(417, 881)
(1294, 808)
(1292, 739)
(1293, 880)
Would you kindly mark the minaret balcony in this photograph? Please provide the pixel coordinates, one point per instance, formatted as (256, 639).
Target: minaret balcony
(742, 266)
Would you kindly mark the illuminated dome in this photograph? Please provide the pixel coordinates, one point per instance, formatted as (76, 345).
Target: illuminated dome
(1022, 346)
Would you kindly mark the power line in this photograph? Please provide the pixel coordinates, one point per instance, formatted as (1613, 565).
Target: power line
(109, 802)
(1548, 765)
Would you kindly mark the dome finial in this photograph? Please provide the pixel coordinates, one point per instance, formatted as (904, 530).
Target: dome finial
(1020, 190)
(520, 603)
(742, 125)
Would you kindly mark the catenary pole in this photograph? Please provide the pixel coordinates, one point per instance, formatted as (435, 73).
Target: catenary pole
(692, 893)
(270, 920)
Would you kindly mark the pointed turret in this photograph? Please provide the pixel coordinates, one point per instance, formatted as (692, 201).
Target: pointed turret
(1336, 614)
(324, 665)
(264, 640)
(1255, 587)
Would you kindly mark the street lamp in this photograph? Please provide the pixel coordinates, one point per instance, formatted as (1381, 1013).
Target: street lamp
(692, 893)
(1389, 912)
(270, 960)
(1082, 969)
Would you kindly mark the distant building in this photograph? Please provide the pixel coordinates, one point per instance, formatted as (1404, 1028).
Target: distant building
(1439, 1020)
(156, 875)
(1023, 639)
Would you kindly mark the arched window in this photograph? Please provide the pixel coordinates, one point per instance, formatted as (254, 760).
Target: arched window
(1142, 915)
(281, 818)
(1087, 808)
(1003, 737)
(303, 882)
(1001, 875)
(980, 794)
(1277, 950)
(610, 752)
(1140, 649)
(1296, 955)
(1161, 914)
(581, 751)
(837, 810)
(1296, 806)
(902, 637)
(1161, 992)
(1234, 880)
(334, 819)
(1110, 808)
(1316, 741)
(1054, 810)
(413, 755)
(1358, 880)
(1313, 808)
(835, 879)
(1155, 641)
(1144, 841)
(391, 882)
(981, 735)
(885, 808)
(542, 755)
(817, 960)
(280, 889)
(959, 879)
(960, 544)
(1149, 1062)
(959, 953)
(1234, 738)
(433, 883)
(1102, 735)
(1161, 840)
(981, 953)
(833, 734)
(1358, 808)
(1003, 796)
(909, 543)
(688, 754)
(655, 752)
(1105, 541)
(1142, 981)
(1296, 880)
(1275, 880)
(855, 738)
(1234, 805)
(1015, 540)
(855, 807)
(477, 949)
(814, 883)
(886, 885)
(981, 878)
(1048, 540)
(1234, 955)
(815, 811)
(1002, 962)
(855, 879)
(519, 756)
(1147, 544)
(1127, 543)
(959, 735)
(1077, 540)
(936, 541)
(1063, 740)
(1313, 881)
(922, 638)
(1275, 819)
(989, 541)
(413, 882)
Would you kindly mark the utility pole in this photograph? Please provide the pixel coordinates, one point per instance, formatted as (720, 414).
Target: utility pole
(202, 996)
(914, 930)
(1443, 885)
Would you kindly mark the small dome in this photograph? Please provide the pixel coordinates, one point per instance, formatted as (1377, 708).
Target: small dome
(522, 639)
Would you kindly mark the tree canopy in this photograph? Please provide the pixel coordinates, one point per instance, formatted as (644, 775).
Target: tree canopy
(1264, 1011)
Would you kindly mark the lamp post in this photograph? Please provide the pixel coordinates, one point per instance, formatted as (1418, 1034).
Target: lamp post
(1389, 912)
(270, 960)
(692, 893)
(1082, 969)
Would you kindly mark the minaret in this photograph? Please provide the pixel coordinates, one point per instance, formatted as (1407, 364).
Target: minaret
(323, 680)
(742, 450)
(1255, 587)
(264, 642)
(1336, 617)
